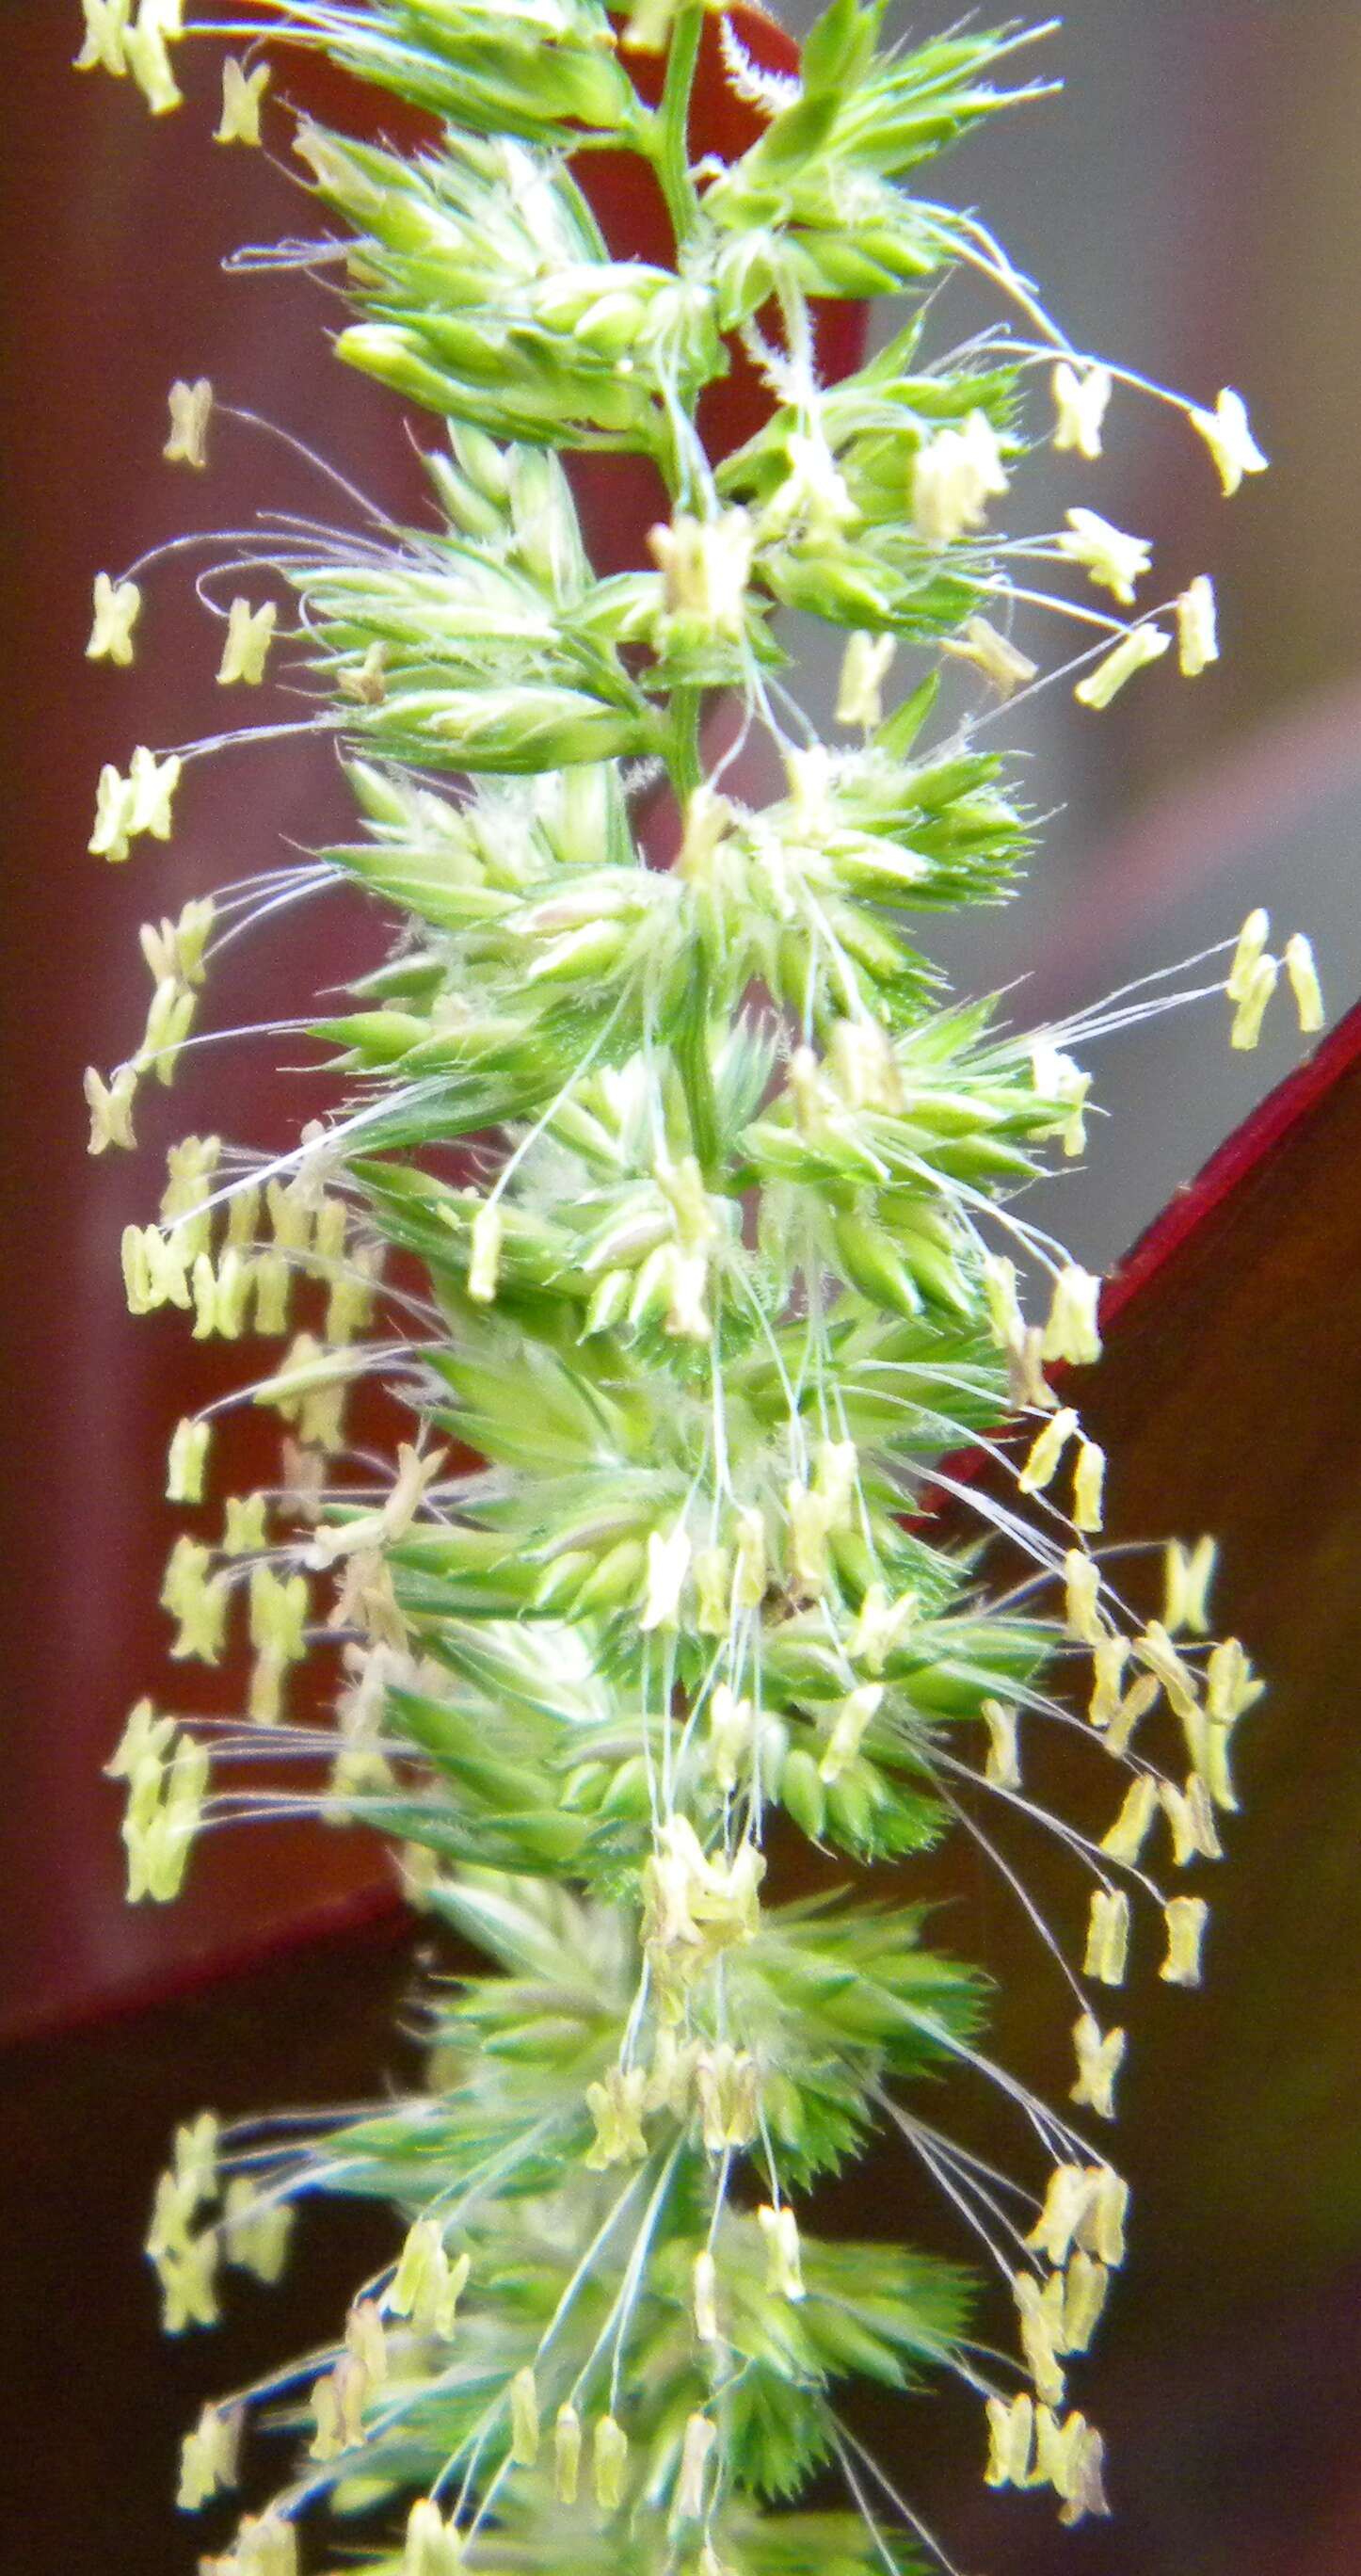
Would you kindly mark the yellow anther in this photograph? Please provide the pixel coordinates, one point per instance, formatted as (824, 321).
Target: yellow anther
(879, 1626)
(169, 1021)
(351, 1297)
(726, 2097)
(1088, 2494)
(1197, 628)
(713, 1578)
(704, 2298)
(191, 408)
(164, 1811)
(190, 1167)
(1257, 992)
(1252, 940)
(1081, 1596)
(113, 825)
(250, 632)
(1066, 2201)
(864, 668)
(609, 2459)
(731, 1735)
(110, 1105)
(271, 1282)
(1134, 652)
(364, 2337)
(668, 1562)
(1229, 439)
(1304, 983)
(144, 48)
(242, 92)
(1187, 1576)
(266, 2545)
(700, 2435)
(1046, 1450)
(1107, 1937)
(106, 25)
(278, 1613)
(524, 2419)
(208, 2456)
(1113, 560)
(704, 565)
(1110, 1654)
(1002, 1768)
(485, 1262)
(616, 2106)
(1186, 1918)
(367, 685)
(954, 476)
(153, 783)
(243, 1216)
(836, 1470)
(196, 1599)
(155, 1269)
(1231, 1686)
(749, 1561)
(426, 2286)
(1130, 1830)
(1037, 2311)
(856, 1713)
(188, 1461)
(1101, 2228)
(116, 607)
(144, 1736)
(566, 2454)
(1027, 1384)
(195, 2159)
(1000, 661)
(290, 1217)
(1088, 1479)
(1058, 2451)
(1098, 2063)
(784, 2272)
(189, 2285)
(1081, 397)
(810, 1520)
(864, 1073)
(265, 1698)
(1155, 1649)
(1139, 1699)
(1071, 1331)
(1003, 1304)
(1190, 1814)
(433, 2546)
(1085, 2287)
(1058, 1078)
(338, 2409)
(1011, 2433)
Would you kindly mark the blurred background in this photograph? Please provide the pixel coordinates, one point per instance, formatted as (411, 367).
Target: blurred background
(1191, 205)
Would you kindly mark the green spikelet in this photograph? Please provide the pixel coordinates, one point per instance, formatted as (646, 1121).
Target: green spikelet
(703, 1182)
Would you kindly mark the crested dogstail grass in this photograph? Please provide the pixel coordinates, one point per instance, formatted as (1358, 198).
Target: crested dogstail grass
(728, 1258)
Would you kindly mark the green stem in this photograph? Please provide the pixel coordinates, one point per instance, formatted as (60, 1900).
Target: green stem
(683, 754)
(671, 131)
(692, 1038)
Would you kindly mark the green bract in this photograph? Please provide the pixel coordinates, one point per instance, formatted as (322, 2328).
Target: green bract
(670, 1205)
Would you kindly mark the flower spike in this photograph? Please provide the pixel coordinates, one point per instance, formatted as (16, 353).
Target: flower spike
(652, 1271)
